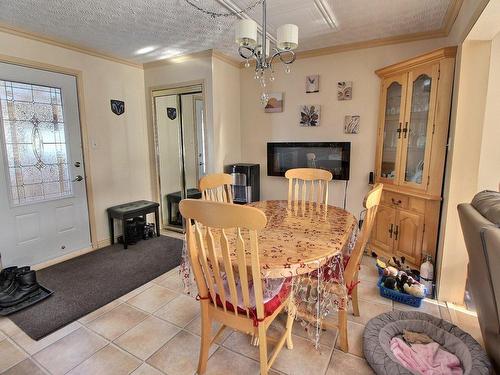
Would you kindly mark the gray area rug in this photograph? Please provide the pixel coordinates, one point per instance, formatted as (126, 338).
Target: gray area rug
(83, 284)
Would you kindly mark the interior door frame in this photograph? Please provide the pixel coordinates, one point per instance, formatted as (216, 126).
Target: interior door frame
(78, 74)
(155, 163)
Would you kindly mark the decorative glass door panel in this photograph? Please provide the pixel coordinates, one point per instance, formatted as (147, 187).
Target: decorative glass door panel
(43, 198)
(394, 92)
(417, 132)
(35, 142)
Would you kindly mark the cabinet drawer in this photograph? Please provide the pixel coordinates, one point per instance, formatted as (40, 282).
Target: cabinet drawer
(395, 200)
(417, 205)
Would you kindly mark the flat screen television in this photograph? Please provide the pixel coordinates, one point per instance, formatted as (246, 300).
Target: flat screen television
(332, 156)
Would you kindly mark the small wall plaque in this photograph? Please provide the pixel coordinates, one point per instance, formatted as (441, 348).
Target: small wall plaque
(172, 113)
(117, 107)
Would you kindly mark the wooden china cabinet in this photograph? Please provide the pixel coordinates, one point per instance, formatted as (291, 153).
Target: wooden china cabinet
(414, 115)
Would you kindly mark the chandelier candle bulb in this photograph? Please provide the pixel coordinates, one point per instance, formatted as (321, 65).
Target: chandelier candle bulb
(246, 33)
(288, 37)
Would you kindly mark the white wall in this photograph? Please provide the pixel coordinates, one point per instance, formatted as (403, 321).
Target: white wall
(489, 162)
(462, 166)
(226, 99)
(258, 128)
(119, 164)
(465, 141)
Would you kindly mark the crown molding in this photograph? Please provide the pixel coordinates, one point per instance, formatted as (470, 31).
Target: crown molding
(448, 21)
(227, 59)
(64, 44)
(210, 53)
(451, 15)
(178, 59)
(438, 54)
(371, 43)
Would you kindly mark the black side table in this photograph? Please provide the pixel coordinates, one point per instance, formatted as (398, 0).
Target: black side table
(129, 211)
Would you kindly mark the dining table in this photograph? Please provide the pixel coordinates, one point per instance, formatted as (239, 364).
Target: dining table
(300, 238)
(304, 242)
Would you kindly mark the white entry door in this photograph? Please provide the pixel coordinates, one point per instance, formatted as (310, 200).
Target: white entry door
(43, 202)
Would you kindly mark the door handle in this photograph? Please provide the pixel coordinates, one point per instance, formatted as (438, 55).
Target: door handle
(396, 232)
(390, 230)
(78, 178)
(399, 130)
(405, 130)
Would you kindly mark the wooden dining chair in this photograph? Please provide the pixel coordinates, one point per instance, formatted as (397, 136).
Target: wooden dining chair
(308, 185)
(217, 187)
(226, 285)
(350, 276)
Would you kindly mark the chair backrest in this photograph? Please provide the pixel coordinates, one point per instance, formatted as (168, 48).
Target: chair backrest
(209, 224)
(371, 202)
(217, 187)
(308, 185)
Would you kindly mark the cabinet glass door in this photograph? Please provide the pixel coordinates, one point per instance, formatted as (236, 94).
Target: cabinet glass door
(394, 98)
(417, 132)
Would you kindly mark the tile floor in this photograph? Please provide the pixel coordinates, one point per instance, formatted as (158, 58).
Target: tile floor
(154, 330)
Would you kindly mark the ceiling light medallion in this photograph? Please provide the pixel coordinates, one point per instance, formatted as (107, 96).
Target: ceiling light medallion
(247, 38)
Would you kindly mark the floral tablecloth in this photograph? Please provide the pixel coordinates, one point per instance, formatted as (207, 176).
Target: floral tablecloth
(309, 243)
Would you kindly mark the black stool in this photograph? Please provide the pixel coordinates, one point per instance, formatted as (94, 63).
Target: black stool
(129, 211)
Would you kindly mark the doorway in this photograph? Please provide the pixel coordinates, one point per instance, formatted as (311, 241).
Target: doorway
(180, 148)
(43, 198)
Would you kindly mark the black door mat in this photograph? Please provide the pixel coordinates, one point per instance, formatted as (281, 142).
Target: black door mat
(85, 283)
(44, 293)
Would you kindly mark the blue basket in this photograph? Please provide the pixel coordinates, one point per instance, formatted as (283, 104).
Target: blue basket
(381, 273)
(400, 297)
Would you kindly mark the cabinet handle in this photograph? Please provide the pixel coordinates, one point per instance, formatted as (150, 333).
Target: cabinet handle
(396, 202)
(390, 230)
(396, 232)
(405, 130)
(399, 130)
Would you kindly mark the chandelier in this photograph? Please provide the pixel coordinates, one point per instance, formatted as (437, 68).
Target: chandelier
(249, 47)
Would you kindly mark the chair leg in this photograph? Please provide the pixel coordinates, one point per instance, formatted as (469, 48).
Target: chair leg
(289, 324)
(206, 330)
(354, 297)
(343, 343)
(263, 349)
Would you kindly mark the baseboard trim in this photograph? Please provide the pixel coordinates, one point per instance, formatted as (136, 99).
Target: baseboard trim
(77, 253)
(100, 244)
(64, 258)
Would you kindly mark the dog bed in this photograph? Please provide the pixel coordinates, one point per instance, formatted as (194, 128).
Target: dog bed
(380, 330)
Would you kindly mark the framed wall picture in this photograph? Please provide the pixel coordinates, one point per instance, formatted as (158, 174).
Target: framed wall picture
(344, 90)
(351, 124)
(312, 83)
(310, 115)
(274, 103)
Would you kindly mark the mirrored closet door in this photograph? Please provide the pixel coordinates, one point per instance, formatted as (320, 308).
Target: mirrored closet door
(180, 148)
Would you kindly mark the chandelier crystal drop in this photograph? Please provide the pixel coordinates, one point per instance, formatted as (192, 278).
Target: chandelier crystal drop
(247, 40)
(249, 48)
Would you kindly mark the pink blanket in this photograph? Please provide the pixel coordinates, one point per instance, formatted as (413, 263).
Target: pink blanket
(426, 359)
